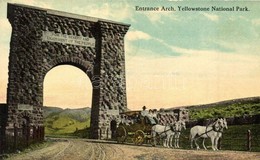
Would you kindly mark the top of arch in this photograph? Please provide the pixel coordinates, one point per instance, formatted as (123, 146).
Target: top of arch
(66, 14)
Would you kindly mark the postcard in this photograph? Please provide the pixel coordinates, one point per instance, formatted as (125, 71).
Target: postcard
(110, 71)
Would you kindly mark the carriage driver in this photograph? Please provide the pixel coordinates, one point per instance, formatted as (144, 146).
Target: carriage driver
(148, 117)
(144, 112)
(151, 118)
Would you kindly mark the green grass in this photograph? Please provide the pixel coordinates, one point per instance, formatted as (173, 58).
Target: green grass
(231, 110)
(64, 125)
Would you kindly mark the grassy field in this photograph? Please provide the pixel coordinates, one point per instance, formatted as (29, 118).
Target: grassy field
(229, 110)
(64, 125)
(66, 122)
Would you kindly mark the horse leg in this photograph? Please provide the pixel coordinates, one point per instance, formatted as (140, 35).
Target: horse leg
(178, 140)
(204, 144)
(216, 143)
(191, 141)
(212, 143)
(174, 141)
(171, 137)
(169, 141)
(164, 142)
(198, 147)
(154, 138)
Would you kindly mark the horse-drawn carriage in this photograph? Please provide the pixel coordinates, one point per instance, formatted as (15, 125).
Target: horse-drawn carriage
(133, 127)
(139, 130)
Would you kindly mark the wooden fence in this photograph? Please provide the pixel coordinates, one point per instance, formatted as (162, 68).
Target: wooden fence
(248, 141)
(237, 137)
(19, 138)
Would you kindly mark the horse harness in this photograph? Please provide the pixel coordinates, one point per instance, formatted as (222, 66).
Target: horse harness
(171, 128)
(213, 129)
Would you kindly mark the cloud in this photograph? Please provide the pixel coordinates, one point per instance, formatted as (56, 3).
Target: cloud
(251, 48)
(209, 76)
(118, 11)
(156, 17)
(137, 35)
(36, 3)
(256, 22)
(181, 50)
(211, 17)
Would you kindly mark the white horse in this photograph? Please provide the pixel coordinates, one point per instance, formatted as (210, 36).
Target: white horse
(164, 132)
(213, 131)
(177, 132)
(219, 135)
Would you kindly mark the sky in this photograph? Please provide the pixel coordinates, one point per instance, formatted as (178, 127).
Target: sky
(173, 58)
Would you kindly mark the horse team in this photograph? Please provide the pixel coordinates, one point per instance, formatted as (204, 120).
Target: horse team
(173, 131)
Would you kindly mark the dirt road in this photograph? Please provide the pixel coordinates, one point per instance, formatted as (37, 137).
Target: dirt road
(81, 149)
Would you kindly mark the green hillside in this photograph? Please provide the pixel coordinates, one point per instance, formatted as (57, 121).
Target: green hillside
(232, 108)
(59, 121)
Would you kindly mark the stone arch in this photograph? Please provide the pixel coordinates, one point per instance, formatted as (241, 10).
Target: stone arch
(42, 39)
(85, 66)
(25, 115)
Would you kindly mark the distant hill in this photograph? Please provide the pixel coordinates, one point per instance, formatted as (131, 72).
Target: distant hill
(60, 121)
(221, 103)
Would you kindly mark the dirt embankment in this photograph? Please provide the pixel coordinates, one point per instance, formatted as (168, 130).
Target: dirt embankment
(81, 149)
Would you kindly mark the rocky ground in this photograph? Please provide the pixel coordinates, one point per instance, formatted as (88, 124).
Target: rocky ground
(80, 149)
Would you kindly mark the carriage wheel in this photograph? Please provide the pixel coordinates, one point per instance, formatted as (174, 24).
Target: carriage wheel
(121, 134)
(139, 137)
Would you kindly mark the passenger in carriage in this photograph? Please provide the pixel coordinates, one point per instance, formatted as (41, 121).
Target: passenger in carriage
(154, 114)
(144, 112)
(124, 120)
(129, 121)
(144, 115)
(150, 116)
(137, 118)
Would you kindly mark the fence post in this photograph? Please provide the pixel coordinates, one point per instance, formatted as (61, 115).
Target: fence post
(27, 135)
(43, 132)
(249, 140)
(39, 133)
(34, 134)
(2, 136)
(15, 137)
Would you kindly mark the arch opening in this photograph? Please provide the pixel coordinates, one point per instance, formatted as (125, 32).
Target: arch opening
(67, 97)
